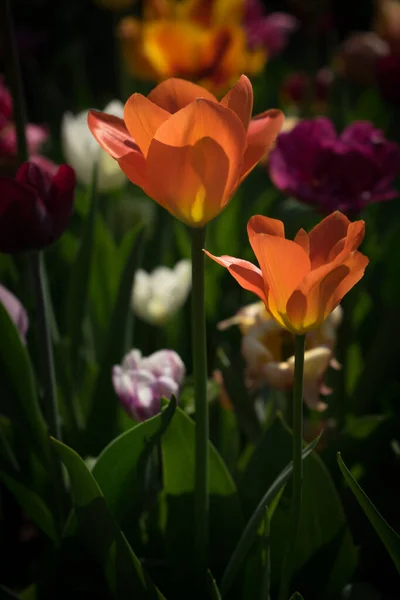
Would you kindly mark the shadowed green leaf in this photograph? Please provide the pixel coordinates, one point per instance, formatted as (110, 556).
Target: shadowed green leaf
(250, 532)
(18, 370)
(212, 587)
(78, 292)
(388, 536)
(119, 468)
(178, 454)
(101, 426)
(101, 533)
(32, 505)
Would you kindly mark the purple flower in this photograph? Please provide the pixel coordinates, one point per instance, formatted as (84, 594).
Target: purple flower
(16, 311)
(270, 31)
(141, 382)
(335, 172)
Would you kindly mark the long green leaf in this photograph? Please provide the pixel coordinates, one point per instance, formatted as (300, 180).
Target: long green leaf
(18, 369)
(296, 596)
(78, 292)
(212, 587)
(32, 505)
(250, 532)
(98, 528)
(101, 426)
(178, 454)
(388, 536)
(119, 468)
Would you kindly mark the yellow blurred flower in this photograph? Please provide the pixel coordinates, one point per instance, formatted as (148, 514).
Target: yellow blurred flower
(200, 41)
(268, 350)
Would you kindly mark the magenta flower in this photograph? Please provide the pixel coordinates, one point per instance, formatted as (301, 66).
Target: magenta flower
(141, 382)
(16, 311)
(269, 31)
(35, 206)
(36, 135)
(335, 172)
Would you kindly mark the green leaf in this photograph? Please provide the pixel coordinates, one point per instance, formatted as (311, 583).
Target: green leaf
(388, 536)
(32, 505)
(212, 587)
(324, 541)
(119, 468)
(101, 533)
(296, 596)
(5, 594)
(178, 456)
(78, 292)
(250, 532)
(18, 370)
(101, 426)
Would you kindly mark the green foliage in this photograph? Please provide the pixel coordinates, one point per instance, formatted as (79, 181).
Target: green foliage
(389, 537)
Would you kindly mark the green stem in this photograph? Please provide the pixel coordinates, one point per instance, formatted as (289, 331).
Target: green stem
(201, 498)
(15, 81)
(46, 349)
(287, 566)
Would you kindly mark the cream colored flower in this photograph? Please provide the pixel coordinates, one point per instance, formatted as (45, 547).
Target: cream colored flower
(158, 295)
(82, 151)
(268, 351)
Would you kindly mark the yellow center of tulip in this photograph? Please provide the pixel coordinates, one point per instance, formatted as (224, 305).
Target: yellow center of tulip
(197, 209)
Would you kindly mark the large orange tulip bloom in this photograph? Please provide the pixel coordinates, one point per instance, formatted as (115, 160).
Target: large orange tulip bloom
(301, 281)
(185, 149)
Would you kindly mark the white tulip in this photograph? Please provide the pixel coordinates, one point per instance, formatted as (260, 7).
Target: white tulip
(82, 151)
(158, 295)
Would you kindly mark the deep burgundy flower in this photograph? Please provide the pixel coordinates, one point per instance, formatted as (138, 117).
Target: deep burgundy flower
(335, 172)
(35, 206)
(295, 87)
(269, 31)
(388, 76)
(5, 103)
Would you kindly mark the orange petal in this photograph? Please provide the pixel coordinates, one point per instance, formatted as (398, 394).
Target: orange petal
(284, 265)
(356, 264)
(134, 167)
(261, 136)
(354, 237)
(246, 274)
(194, 159)
(303, 240)
(260, 224)
(111, 134)
(142, 119)
(174, 94)
(324, 237)
(240, 100)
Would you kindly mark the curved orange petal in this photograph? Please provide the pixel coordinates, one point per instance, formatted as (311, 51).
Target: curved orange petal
(142, 119)
(174, 94)
(261, 136)
(111, 134)
(260, 224)
(134, 167)
(284, 265)
(354, 237)
(324, 237)
(356, 264)
(303, 240)
(246, 274)
(240, 100)
(194, 159)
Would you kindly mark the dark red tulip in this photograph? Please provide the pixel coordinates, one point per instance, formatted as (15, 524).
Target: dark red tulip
(35, 206)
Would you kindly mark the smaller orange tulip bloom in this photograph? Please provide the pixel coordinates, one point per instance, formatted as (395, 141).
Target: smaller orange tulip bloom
(301, 281)
(185, 149)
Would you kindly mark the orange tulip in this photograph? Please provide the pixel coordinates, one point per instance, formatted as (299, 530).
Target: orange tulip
(186, 150)
(301, 281)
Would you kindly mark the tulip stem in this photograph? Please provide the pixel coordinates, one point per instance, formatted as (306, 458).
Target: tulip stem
(201, 499)
(15, 81)
(297, 481)
(46, 349)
